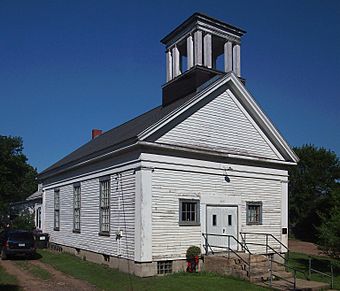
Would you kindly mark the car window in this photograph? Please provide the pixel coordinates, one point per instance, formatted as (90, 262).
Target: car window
(21, 236)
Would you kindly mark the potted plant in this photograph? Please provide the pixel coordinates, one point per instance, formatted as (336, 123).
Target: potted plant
(192, 256)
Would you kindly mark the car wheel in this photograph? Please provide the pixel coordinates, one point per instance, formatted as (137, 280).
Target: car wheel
(3, 255)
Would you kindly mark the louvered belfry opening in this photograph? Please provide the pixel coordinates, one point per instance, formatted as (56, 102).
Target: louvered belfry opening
(198, 50)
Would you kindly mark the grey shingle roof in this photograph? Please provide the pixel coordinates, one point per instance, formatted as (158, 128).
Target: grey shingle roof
(117, 137)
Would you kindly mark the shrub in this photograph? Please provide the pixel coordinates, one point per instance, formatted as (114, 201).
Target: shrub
(193, 252)
(24, 221)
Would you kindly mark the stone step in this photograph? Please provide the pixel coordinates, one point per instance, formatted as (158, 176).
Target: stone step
(283, 274)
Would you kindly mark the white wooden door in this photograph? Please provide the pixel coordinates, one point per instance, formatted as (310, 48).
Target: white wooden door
(222, 221)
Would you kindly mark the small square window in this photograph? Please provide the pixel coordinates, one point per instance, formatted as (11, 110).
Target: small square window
(254, 212)
(189, 212)
(164, 267)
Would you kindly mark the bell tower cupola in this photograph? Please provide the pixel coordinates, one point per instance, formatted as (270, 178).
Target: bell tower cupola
(198, 50)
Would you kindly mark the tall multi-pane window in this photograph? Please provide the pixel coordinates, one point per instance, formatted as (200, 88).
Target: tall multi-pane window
(56, 209)
(76, 207)
(104, 215)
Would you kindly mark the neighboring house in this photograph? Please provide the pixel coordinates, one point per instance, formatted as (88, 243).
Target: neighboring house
(31, 205)
(207, 160)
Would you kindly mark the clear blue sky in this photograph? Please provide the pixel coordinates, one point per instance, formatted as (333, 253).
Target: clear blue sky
(69, 66)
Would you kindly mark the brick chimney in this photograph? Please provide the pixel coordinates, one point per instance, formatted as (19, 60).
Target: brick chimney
(96, 132)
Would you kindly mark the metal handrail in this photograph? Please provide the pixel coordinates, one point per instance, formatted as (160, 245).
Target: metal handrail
(205, 235)
(229, 236)
(268, 246)
(310, 270)
(266, 234)
(207, 245)
(288, 267)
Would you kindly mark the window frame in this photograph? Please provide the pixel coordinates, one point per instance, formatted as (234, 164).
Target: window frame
(189, 223)
(105, 208)
(76, 207)
(56, 205)
(257, 204)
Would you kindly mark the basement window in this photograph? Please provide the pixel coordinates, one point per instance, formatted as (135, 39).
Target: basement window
(189, 212)
(164, 267)
(254, 212)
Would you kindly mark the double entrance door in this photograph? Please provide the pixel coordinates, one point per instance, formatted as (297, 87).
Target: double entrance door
(222, 221)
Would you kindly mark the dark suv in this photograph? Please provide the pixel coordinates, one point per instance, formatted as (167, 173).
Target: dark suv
(17, 242)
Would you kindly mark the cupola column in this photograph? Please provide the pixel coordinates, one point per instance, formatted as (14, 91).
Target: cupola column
(198, 48)
(237, 60)
(168, 65)
(175, 62)
(228, 56)
(190, 52)
(207, 45)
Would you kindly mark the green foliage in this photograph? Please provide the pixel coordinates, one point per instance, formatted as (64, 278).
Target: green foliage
(193, 252)
(311, 190)
(24, 221)
(17, 177)
(329, 233)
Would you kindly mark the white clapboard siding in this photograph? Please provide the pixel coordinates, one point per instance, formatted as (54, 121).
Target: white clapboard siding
(122, 217)
(168, 186)
(269, 193)
(220, 125)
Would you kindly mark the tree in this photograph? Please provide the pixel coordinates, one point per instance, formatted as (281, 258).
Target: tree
(311, 190)
(17, 177)
(329, 231)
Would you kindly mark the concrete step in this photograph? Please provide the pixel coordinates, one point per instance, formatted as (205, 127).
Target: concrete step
(300, 285)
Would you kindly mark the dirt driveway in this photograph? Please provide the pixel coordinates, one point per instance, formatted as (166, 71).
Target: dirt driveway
(58, 281)
(305, 248)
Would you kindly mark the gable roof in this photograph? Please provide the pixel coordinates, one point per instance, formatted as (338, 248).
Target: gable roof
(141, 127)
(248, 102)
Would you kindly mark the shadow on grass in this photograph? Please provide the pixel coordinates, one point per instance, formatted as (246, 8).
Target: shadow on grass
(9, 287)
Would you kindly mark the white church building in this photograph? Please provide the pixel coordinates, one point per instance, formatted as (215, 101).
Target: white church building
(206, 161)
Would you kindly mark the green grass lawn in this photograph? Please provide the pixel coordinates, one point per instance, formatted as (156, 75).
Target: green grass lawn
(110, 279)
(34, 270)
(322, 264)
(7, 282)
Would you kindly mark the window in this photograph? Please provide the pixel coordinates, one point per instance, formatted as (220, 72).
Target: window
(164, 267)
(254, 212)
(104, 215)
(76, 207)
(189, 212)
(38, 218)
(229, 220)
(214, 220)
(56, 209)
